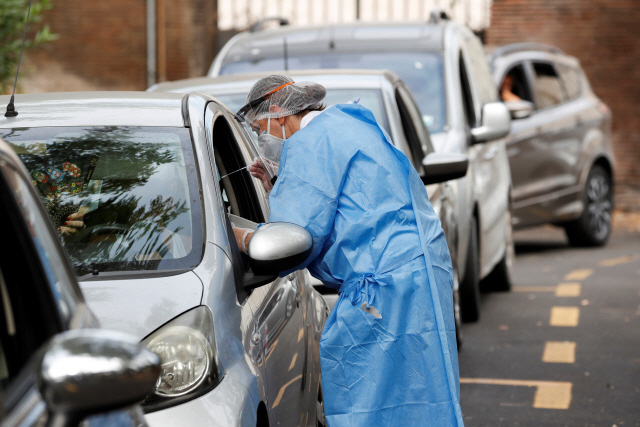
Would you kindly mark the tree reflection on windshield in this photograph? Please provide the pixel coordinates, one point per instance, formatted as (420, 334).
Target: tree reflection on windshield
(129, 183)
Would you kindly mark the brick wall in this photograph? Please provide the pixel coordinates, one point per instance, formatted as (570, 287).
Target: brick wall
(605, 36)
(106, 41)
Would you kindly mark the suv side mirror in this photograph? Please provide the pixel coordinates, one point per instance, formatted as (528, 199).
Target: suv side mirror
(277, 247)
(496, 122)
(441, 167)
(519, 109)
(84, 372)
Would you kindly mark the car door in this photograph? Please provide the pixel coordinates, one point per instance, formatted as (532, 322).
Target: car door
(278, 340)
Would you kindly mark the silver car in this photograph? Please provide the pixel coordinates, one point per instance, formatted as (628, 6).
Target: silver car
(559, 147)
(391, 103)
(56, 368)
(142, 190)
(444, 65)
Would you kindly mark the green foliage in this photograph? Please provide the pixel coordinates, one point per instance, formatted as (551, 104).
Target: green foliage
(13, 16)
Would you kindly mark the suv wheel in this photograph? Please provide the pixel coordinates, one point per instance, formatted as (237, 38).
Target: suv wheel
(470, 286)
(594, 225)
(500, 278)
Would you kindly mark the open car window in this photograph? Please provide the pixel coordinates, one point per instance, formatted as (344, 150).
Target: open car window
(134, 188)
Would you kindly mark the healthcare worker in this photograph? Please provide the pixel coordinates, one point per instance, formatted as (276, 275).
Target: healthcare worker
(388, 349)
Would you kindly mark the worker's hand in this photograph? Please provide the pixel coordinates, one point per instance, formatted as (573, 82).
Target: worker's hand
(73, 223)
(242, 235)
(257, 170)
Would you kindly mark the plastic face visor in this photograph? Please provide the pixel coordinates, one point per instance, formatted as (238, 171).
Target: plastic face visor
(241, 114)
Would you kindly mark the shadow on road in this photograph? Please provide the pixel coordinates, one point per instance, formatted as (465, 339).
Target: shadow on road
(530, 247)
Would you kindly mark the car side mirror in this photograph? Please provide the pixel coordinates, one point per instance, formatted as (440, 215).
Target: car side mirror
(277, 247)
(519, 109)
(496, 122)
(85, 372)
(441, 167)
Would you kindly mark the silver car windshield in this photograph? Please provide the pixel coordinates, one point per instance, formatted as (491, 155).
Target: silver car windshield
(369, 98)
(421, 71)
(134, 189)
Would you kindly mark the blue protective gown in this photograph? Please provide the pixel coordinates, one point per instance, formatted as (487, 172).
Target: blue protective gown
(379, 242)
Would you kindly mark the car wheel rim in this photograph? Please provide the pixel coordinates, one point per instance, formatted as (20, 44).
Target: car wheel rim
(599, 206)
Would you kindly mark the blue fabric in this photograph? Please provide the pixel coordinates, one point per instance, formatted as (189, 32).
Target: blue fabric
(379, 242)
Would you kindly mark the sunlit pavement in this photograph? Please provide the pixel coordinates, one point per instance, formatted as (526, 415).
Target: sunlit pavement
(563, 348)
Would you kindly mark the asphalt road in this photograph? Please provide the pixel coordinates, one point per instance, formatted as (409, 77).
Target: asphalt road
(563, 347)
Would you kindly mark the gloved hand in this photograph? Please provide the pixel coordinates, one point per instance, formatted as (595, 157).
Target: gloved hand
(243, 235)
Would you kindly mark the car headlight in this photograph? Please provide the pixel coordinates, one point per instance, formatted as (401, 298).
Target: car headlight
(190, 367)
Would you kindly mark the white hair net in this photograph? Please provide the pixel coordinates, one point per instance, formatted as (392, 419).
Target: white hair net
(281, 91)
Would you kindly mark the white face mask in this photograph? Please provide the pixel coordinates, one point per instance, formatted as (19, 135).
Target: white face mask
(271, 148)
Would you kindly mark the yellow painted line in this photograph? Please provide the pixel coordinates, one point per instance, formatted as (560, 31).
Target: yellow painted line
(568, 289)
(282, 389)
(559, 352)
(617, 261)
(293, 361)
(549, 394)
(564, 316)
(300, 334)
(271, 347)
(533, 289)
(579, 274)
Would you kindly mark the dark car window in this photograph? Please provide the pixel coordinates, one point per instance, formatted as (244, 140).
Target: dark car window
(467, 98)
(571, 80)
(519, 84)
(29, 314)
(136, 187)
(421, 71)
(547, 86)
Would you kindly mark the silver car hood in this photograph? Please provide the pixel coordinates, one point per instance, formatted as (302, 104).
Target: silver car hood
(140, 306)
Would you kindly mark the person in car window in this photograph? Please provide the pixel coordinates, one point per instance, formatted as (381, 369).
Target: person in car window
(388, 349)
(506, 89)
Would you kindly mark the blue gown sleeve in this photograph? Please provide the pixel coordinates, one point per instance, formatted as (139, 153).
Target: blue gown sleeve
(309, 184)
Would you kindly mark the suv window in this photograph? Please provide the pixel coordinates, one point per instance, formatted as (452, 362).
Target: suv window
(518, 83)
(571, 80)
(547, 86)
(136, 188)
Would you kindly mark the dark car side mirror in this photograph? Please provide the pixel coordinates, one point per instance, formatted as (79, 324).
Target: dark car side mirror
(441, 167)
(276, 247)
(519, 109)
(84, 372)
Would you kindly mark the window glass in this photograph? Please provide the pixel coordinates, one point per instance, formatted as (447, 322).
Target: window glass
(571, 80)
(467, 99)
(421, 71)
(135, 189)
(548, 90)
(514, 86)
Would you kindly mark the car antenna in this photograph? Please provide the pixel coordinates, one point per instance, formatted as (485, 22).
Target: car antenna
(11, 108)
(286, 56)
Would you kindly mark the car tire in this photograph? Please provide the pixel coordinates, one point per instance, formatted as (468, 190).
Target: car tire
(593, 227)
(456, 309)
(321, 421)
(501, 277)
(470, 286)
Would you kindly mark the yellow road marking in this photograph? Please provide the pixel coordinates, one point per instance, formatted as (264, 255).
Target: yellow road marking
(300, 334)
(293, 361)
(271, 347)
(568, 289)
(549, 394)
(616, 261)
(564, 316)
(533, 288)
(282, 389)
(559, 352)
(579, 274)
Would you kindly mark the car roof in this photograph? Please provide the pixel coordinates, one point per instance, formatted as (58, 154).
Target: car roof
(337, 38)
(234, 83)
(516, 52)
(95, 109)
